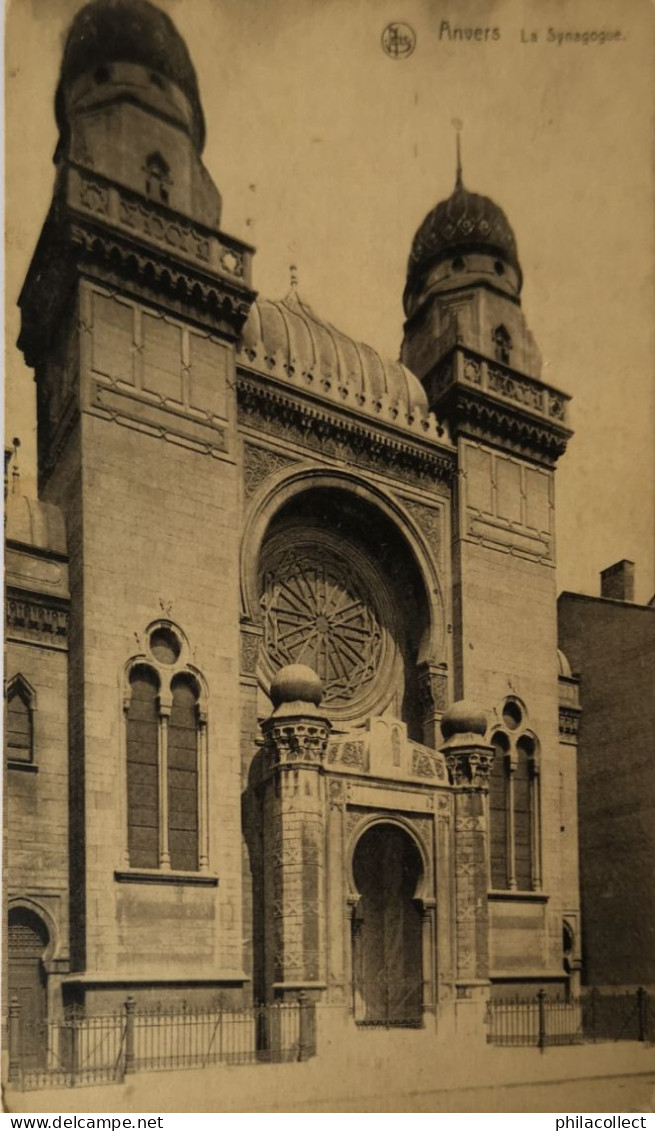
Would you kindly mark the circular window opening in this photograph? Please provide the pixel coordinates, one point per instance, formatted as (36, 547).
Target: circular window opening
(325, 605)
(102, 75)
(458, 264)
(499, 267)
(165, 646)
(512, 715)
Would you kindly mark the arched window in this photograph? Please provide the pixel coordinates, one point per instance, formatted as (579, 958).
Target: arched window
(143, 769)
(19, 723)
(502, 344)
(166, 753)
(158, 178)
(183, 775)
(523, 813)
(514, 806)
(498, 823)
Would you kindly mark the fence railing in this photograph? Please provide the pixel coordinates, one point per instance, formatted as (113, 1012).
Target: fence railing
(544, 1021)
(75, 1049)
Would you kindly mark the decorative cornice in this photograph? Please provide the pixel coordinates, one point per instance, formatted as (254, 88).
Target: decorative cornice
(96, 225)
(37, 619)
(493, 403)
(272, 408)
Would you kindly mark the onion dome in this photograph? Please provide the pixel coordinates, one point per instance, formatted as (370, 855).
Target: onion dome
(463, 717)
(464, 223)
(289, 339)
(129, 31)
(296, 683)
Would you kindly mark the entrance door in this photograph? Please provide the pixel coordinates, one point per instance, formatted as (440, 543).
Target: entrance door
(387, 957)
(28, 939)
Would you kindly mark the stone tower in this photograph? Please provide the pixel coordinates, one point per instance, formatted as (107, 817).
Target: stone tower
(467, 339)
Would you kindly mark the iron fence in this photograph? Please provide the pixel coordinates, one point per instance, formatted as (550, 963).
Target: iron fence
(75, 1049)
(544, 1021)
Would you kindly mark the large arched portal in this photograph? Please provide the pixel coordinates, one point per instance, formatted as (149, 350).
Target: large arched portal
(387, 952)
(28, 940)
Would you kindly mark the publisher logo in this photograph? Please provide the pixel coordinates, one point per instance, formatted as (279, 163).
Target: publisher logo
(398, 40)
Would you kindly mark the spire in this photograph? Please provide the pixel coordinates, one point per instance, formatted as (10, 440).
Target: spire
(15, 474)
(459, 183)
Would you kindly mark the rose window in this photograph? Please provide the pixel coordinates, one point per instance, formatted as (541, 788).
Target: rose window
(325, 605)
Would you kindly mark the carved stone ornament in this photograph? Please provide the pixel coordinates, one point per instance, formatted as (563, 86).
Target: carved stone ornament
(516, 388)
(569, 722)
(470, 768)
(258, 464)
(428, 520)
(250, 643)
(297, 741)
(348, 753)
(37, 619)
(324, 605)
(426, 767)
(336, 794)
(433, 687)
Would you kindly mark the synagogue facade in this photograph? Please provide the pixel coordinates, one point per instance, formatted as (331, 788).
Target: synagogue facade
(285, 710)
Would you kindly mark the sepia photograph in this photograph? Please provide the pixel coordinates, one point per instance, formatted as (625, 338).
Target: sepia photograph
(329, 776)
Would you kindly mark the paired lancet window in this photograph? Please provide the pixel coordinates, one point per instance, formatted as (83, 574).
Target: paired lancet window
(514, 848)
(166, 754)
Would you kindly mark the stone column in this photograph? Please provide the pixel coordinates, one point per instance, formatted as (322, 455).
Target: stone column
(469, 760)
(294, 813)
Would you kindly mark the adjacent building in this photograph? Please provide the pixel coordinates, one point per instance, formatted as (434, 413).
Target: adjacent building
(609, 641)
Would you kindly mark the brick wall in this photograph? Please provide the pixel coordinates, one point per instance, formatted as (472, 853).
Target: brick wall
(612, 646)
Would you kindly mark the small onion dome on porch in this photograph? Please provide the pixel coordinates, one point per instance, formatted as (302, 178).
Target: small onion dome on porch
(296, 689)
(286, 339)
(463, 718)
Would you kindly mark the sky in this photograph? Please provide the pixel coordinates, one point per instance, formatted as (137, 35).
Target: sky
(328, 154)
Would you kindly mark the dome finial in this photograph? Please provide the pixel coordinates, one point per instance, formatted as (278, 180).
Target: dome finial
(293, 277)
(459, 183)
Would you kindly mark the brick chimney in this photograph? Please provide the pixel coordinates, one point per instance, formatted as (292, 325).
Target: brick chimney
(618, 581)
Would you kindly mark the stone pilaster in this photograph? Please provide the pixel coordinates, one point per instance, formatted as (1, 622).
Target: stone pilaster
(469, 760)
(295, 848)
(433, 690)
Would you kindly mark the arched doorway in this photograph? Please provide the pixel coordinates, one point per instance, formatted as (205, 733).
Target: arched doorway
(387, 952)
(28, 940)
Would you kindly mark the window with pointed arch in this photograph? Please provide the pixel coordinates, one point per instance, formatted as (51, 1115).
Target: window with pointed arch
(502, 344)
(19, 722)
(166, 756)
(158, 178)
(514, 804)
